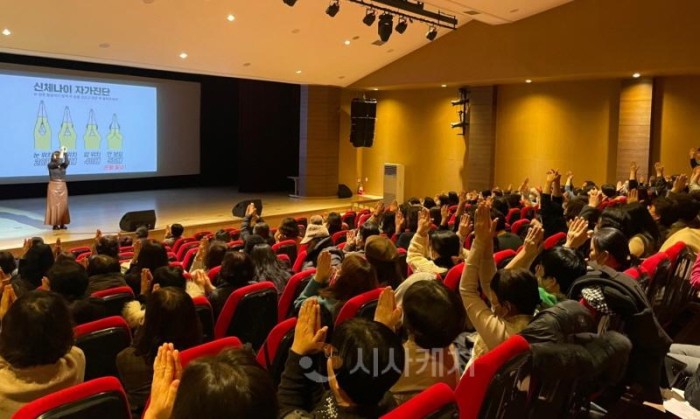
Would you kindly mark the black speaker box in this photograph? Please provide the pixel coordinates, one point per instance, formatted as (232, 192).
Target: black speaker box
(362, 117)
(239, 209)
(135, 219)
(344, 191)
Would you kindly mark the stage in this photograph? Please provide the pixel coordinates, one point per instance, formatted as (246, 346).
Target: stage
(197, 209)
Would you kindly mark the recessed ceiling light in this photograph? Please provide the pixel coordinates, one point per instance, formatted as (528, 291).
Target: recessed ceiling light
(183, 55)
(6, 32)
(636, 75)
(104, 45)
(347, 42)
(230, 18)
(298, 71)
(443, 85)
(528, 81)
(375, 89)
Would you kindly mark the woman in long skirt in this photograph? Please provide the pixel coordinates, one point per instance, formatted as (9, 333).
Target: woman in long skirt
(57, 214)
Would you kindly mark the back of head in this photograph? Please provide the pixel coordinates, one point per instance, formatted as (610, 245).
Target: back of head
(615, 243)
(37, 261)
(641, 221)
(108, 245)
(429, 202)
(445, 243)
(513, 200)
(69, 279)
(381, 253)
(237, 269)
(686, 208)
(176, 230)
(229, 385)
(665, 210)
(433, 315)
(215, 255)
(367, 230)
(252, 241)
(7, 263)
(289, 228)
(170, 317)
(501, 204)
(563, 264)
(142, 232)
(103, 264)
(609, 190)
(170, 276)
(37, 330)
(517, 287)
(362, 342)
(500, 219)
(452, 198)
(261, 229)
(222, 236)
(617, 218)
(412, 218)
(356, 276)
(263, 256)
(435, 215)
(152, 256)
(334, 223)
(574, 207)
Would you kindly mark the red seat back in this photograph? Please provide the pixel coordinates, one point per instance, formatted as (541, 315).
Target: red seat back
(437, 400)
(233, 232)
(513, 215)
(125, 256)
(339, 237)
(101, 398)
(363, 305)
(285, 259)
(299, 262)
(101, 341)
(77, 251)
(189, 258)
(474, 384)
(554, 240)
(172, 257)
(517, 227)
(362, 219)
(293, 289)
(202, 234)
(288, 247)
(527, 212)
(212, 348)
(205, 313)
(115, 298)
(503, 257)
(273, 354)
(213, 274)
(83, 256)
(673, 252)
(454, 275)
(182, 250)
(235, 245)
(249, 314)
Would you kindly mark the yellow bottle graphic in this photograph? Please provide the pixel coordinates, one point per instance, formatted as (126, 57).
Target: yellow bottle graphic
(92, 136)
(42, 130)
(66, 135)
(114, 138)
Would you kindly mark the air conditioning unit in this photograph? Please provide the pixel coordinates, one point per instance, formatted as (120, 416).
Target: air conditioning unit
(393, 182)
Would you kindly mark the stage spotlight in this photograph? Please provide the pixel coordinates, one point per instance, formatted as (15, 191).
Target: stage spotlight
(432, 33)
(290, 3)
(402, 25)
(386, 26)
(333, 8)
(369, 17)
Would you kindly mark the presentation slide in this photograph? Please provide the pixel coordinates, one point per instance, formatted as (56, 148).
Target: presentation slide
(107, 128)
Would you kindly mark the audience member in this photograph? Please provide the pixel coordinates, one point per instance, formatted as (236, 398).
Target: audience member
(381, 253)
(104, 272)
(268, 267)
(237, 271)
(148, 255)
(173, 233)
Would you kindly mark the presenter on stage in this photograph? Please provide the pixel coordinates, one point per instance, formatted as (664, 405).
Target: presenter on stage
(57, 213)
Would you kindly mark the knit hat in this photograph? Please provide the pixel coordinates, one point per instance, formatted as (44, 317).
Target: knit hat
(381, 249)
(314, 231)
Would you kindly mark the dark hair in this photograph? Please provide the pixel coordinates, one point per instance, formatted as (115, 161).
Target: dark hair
(388, 272)
(615, 243)
(222, 236)
(108, 245)
(513, 200)
(170, 317)
(517, 287)
(252, 241)
(388, 224)
(429, 202)
(664, 209)
(574, 207)
(411, 213)
(176, 230)
(142, 232)
(452, 198)
(289, 228)
(215, 255)
(641, 222)
(433, 314)
(685, 207)
(229, 385)
(37, 261)
(334, 222)
(500, 219)
(37, 330)
(268, 267)
(170, 276)
(501, 205)
(237, 269)
(262, 230)
(125, 241)
(103, 264)
(69, 279)
(444, 199)
(7, 263)
(152, 256)
(413, 200)
(356, 276)
(563, 264)
(435, 215)
(617, 218)
(368, 229)
(364, 342)
(446, 244)
(609, 190)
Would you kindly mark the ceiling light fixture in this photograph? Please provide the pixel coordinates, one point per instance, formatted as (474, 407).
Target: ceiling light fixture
(369, 18)
(298, 71)
(443, 85)
(333, 8)
(386, 26)
(230, 18)
(432, 33)
(290, 3)
(375, 89)
(6, 32)
(528, 81)
(347, 42)
(183, 55)
(636, 75)
(402, 25)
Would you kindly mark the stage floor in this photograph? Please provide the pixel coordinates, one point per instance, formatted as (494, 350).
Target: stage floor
(194, 208)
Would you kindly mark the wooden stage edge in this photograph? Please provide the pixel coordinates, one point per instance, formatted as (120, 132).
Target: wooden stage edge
(197, 209)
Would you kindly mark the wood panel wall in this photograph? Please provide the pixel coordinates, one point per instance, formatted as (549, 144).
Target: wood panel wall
(634, 127)
(481, 139)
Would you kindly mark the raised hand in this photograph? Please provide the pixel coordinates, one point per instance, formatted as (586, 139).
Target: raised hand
(393, 206)
(444, 214)
(8, 298)
(484, 226)
(399, 221)
(633, 196)
(26, 246)
(387, 313)
(680, 183)
(465, 226)
(595, 197)
(202, 279)
(323, 267)
(578, 233)
(309, 336)
(659, 169)
(692, 152)
(167, 371)
(146, 281)
(533, 240)
(423, 222)
(379, 209)
(57, 249)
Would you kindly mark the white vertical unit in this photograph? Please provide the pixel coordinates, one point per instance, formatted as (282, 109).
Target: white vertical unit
(393, 182)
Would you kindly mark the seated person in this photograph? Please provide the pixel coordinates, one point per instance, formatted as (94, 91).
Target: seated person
(268, 267)
(106, 245)
(288, 230)
(147, 255)
(334, 223)
(259, 227)
(435, 252)
(104, 272)
(356, 240)
(354, 392)
(199, 390)
(559, 267)
(209, 254)
(505, 239)
(173, 233)
(170, 317)
(37, 356)
(609, 247)
(33, 265)
(8, 265)
(356, 276)
(70, 280)
(237, 271)
(381, 253)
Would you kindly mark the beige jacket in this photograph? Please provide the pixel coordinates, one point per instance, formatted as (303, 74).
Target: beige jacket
(21, 386)
(417, 256)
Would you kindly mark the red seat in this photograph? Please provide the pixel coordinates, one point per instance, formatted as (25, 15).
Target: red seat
(249, 314)
(474, 384)
(126, 249)
(182, 251)
(438, 400)
(652, 263)
(212, 348)
(188, 260)
(179, 242)
(233, 233)
(115, 298)
(339, 237)
(503, 257)
(301, 221)
(125, 256)
(363, 305)
(77, 251)
(513, 215)
(83, 256)
(517, 226)
(284, 259)
(362, 219)
(288, 247)
(554, 240)
(293, 289)
(172, 257)
(213, 274)
(342, 245)
(349, 218)
(527, 213)
(101, 341)
(235, 245)
(176, 265)
(299, 262)
(673, 252)
(454, 275)
(101, 398)
(205, 313)
(202, 234)
(273, 354)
